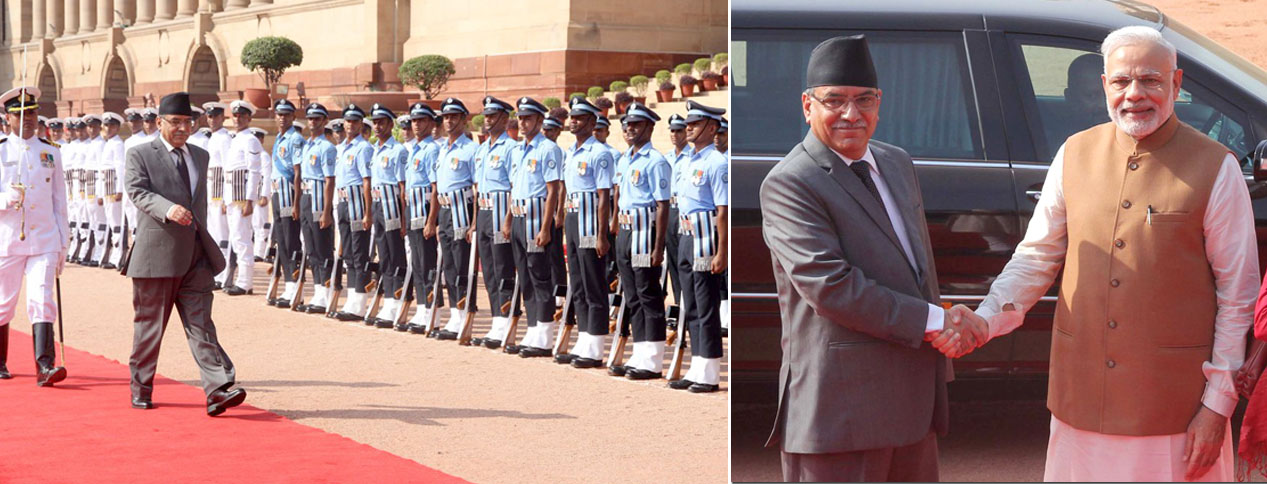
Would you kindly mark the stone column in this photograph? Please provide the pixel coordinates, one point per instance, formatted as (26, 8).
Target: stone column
(70, 12)
(166, 10)
(87, 16)
(127, 10)
(38, 26)
(186, 8)
(237, 4)
(144, 11)
(53, 16)
(105, 14)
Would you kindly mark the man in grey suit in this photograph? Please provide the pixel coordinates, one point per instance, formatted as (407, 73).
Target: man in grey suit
(862, 395)
(174, 259)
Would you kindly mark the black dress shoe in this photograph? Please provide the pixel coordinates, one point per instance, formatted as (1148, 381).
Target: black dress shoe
(109, 266)
(381, 323)
(402, 327)
(530, 352)
(4, 373)
(282, 303)
(492, 344)
(477, 341)
(92, 263)
(370, 321)
(313, 309)
(417, 329)
(48, 376)
(618, 370)
(445, 335)
(564, 358)
(702, 388)
(681, 384)
(641, 374)
(142, 403)
(512, 349)
(259, 259)
(725, 332)
(219, 286)
(579, 362)
(235, 291)
(346, 316)
(435, 333)
(221, 400)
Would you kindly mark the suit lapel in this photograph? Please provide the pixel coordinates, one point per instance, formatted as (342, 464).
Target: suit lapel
(902, 193)
(828, 160)
(167, 166)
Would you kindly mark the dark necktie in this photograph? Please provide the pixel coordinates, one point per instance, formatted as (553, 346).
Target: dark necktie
(182, 169)
(863, 170)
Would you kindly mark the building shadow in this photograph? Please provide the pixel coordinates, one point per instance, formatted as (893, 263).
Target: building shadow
(425, 416)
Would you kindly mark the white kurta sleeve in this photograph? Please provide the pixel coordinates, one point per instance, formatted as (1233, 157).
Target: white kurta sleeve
(1232, 250)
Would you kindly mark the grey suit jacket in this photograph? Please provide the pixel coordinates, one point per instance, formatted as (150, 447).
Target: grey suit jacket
(856, 372)
(164, 248)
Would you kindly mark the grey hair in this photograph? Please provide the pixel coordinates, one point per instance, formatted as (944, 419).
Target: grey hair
(1137, 35)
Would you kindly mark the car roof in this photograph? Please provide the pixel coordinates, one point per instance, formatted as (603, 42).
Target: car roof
(1028, 15)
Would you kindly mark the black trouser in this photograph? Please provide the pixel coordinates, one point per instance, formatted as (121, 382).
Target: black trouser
(554, 252)
(701, 296)
(670, 253)
(644, 298)
(457, 253)
(356, 248)
(535, 273)
(422, 256)
(497, 261)
(319, 242)
(587, 275)
(391, 252)
(286, 235)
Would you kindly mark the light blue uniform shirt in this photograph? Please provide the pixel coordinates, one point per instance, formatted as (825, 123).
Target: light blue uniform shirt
(678, 161)
(388, 165)
(705, 182)
(287, 152)
(420, 171)
(319, 158)
(644, 178)
(492, 164)
(354, 163)
(455, 165)
(588, 168)
(533, 164)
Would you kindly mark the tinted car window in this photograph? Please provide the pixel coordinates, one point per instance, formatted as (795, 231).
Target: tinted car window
(926, 106)
(1063, 94)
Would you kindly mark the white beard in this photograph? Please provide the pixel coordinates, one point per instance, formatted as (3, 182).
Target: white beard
(1138, 129)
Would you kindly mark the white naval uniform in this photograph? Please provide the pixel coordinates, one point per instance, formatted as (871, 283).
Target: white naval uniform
(245, 153)
(70, 155)
(217, 220)
(260, 218)
(112, 161)
(94, 162)
(37, 164)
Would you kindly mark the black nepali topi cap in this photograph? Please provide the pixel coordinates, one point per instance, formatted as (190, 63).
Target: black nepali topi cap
(841, 61)
(176, 103)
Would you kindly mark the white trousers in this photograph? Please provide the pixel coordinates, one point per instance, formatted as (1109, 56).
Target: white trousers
(240, 241)
(258, 220)
(100, 228)
(40, 272)
(218, 227)
(1075, 455)
(90, 215)
(114, 223)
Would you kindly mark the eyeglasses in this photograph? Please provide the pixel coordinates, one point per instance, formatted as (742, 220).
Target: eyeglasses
(1150, 82)
(865, 102)
(179, 122)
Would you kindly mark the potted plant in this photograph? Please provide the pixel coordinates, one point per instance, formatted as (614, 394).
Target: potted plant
(725, 76)
(604, 104)
(476, 124)
(665, 93)
(662, 76)
(687, 84)
(270, 57)
(710, 80)
(551, 102)
(702, 66)
(640, 83)
(618, 86)
(593, 93)
(430, 73)
(721, 61)
(575, 95)
(623, 100)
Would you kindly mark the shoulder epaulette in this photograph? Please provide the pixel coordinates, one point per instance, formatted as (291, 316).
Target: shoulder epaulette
(50, 143)
(2, 140)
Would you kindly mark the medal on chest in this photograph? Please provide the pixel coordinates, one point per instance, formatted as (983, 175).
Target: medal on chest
(454, 163)
(384, 160)
(496, 163)
(697, 178)
(46, 159)
(635, 177)
(532, 165)
(582, 167)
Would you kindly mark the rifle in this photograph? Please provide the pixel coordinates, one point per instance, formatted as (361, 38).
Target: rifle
(434, 297)
(565, 317)
(513, 307)
(565, 334)
(679, 346)
(406, 296)
(468, 302)
(376, 286)
(617, 351)
(271, 297)
(336, 283)
(301, 277)
(105, 256)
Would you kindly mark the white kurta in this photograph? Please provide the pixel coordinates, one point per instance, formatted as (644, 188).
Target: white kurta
(1232, 250)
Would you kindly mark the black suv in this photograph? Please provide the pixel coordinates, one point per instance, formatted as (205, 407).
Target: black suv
(982, 94)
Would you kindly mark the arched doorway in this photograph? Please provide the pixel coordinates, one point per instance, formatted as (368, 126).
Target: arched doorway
(48, 90)
(114, 96)
(204, 76)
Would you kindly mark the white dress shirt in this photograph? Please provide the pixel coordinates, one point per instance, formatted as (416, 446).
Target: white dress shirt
(189, 161)
(936, 315)
(1230, 246)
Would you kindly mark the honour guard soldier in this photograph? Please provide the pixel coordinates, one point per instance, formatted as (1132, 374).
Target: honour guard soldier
(406, 125)
(241, 188)
(336, 129)
(217, 214)
(33, 230)
(149, 122)
(63, 137)
(95, 168)
(423, 208)
(4, 126)
(702, 204)
(587, 175)
(285, 183)
(492, 183)
(536, 174)
(387, 172)
(455, 172)
(316, 214)
(352, 181)
(87, 191)
(142, 132)
(643, 199)
(722, 139)
(260, 226)
(201, 135)
(551, 128)
(677, 157)
(111, 179)
(136, 123)
(55, 131)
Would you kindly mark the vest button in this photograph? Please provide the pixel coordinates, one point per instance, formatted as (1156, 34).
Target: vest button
(1111, 364)
(1119, 243)
(1112, 324)
(1126, 204)
(1114, 283)
(1134, 166)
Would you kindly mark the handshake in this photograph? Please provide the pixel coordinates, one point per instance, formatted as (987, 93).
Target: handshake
(962, 332)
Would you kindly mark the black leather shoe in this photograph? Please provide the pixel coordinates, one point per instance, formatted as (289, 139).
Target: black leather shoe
(530, 352)
(512, 349)
(259, 259)
(4, 352)
(109, 266)
(477, 341)
(618, 370)
(579, 362)
(417, 328)
(142, 403)
(702, 388)
(4, 372)
(435, 333)
(92, 263)
(725, 332)
(492, 344)
(681, 384)
(444, 335)
(45, 355)
(564, 358)
(402, 327)
(313, 309)
(641, 374)
(282, 303)
(370, 321)
(346, 316)
(235, 291)
(219, 286)
(221, 400)
(381, 323)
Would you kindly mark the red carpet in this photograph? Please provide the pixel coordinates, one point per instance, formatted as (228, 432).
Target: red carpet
(84, 430)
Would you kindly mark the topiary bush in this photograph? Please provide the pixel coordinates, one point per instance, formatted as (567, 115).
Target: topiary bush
(639, 83)
(429, 72)
(702, 65)
(721, 59)
(476, 123)
(662, 76)
(575, 95)
(594, 92)
(682, 68)
(551, 102)
(618, 86)
(271, 56)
